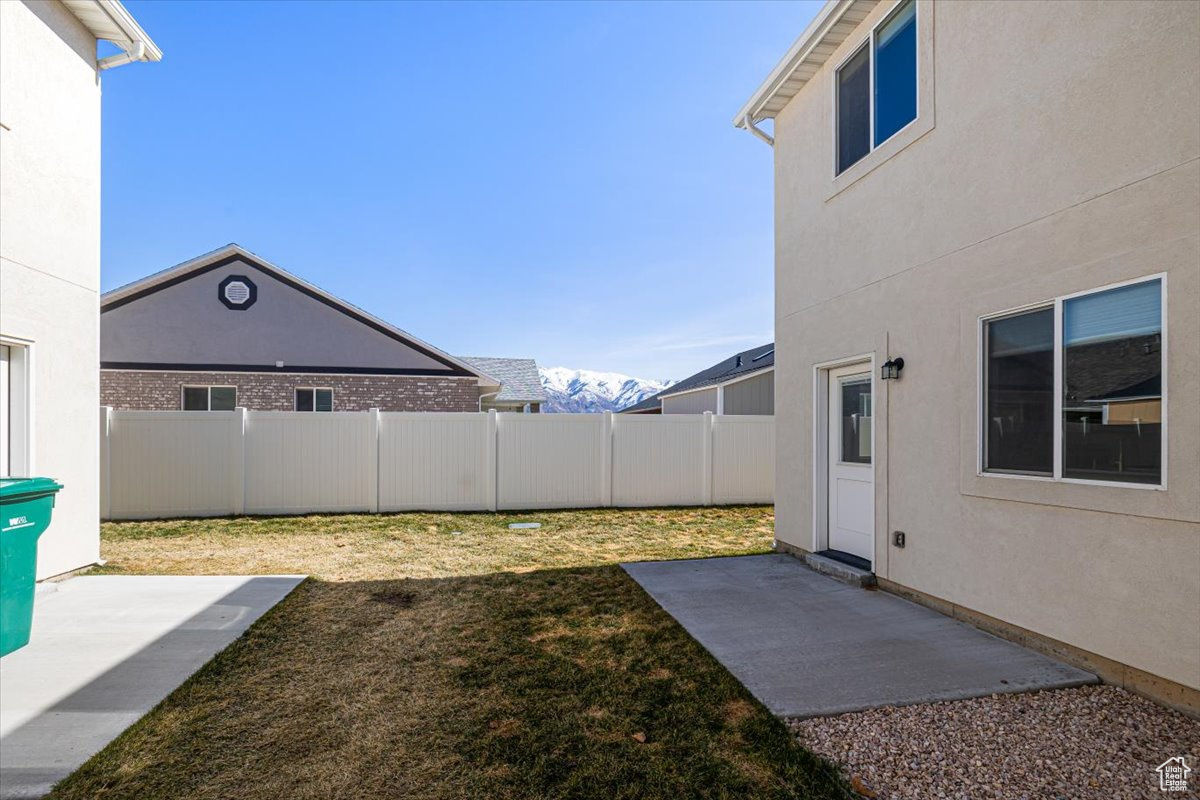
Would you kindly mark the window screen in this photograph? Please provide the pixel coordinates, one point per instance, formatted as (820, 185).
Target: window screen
(1019, 411)
(854, 109)
(195, 398)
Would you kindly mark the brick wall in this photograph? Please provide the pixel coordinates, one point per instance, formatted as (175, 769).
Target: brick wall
(160, 391)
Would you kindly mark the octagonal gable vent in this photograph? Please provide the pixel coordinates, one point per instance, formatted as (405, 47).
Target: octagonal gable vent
(237, 292)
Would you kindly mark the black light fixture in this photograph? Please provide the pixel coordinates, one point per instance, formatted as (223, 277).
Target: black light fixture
(890, 370)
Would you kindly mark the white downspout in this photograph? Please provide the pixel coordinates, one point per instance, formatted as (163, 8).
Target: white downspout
(489, 394)
(135, 53)
(748, 122)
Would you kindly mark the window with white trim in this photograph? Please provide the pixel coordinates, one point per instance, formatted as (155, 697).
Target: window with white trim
(876, 87)
(208, 398)
(1073, 389)
(313, 399)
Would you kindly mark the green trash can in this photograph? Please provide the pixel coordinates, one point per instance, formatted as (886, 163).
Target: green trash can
(25, 508)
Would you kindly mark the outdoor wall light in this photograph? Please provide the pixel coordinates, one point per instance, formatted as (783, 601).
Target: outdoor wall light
(890, 370)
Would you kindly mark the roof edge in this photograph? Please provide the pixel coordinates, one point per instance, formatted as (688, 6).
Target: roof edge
(752, 111)
(741, 376)
(123, 20)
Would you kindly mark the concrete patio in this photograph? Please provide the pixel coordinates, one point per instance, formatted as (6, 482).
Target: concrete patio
(105, 650)
(807, 645)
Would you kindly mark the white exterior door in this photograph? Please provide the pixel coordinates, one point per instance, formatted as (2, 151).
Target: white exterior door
(851, 481)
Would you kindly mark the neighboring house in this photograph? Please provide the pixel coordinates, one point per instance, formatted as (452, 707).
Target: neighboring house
(50, 254)
(228, 329)
(744, 383)
(1011, 207)
(521, 384)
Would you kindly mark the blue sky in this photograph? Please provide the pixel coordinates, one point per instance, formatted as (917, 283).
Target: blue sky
(549, 180)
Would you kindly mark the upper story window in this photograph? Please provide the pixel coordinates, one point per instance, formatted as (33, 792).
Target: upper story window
(314, 399)
(1073, 390)
(209, 398)
(877, 87)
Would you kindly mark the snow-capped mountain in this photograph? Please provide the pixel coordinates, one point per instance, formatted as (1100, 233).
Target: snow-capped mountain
(579, 390)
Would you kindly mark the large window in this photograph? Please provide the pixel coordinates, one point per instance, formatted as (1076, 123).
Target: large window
(308, 399)
(209, 398)
(877, 87)
(1085, 374)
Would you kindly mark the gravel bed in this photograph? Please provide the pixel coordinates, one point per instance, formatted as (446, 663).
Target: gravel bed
(1093, 742)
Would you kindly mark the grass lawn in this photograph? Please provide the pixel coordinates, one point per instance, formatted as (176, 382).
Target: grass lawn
(420, 662)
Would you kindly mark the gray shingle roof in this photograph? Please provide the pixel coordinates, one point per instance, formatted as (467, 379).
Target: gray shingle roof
(519, 378)
(742, 363)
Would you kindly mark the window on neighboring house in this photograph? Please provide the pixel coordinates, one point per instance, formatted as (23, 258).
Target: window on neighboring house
(1106, 413)
(308, 399)
(209, 398)
(877, 87)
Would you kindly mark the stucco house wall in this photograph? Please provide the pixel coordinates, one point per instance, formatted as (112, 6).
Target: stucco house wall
(1057, 150)
(50, 258)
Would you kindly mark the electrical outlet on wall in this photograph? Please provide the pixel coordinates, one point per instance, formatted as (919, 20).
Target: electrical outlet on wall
(898, 538)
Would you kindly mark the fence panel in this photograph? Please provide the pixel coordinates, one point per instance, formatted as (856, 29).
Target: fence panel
(299, 463)
(552, 460)
(434, 461)
(172, 464)
(659, 460)
(743, 459)
(200, 463)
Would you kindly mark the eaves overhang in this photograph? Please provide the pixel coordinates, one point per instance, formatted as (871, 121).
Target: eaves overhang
(112, 22)
(831, 27)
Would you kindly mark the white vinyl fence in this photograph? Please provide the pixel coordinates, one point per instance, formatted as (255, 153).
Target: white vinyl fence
(212, 463)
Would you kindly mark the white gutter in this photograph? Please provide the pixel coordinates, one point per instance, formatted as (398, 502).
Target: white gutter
(135, 53)
(110, 21)
(748, 124)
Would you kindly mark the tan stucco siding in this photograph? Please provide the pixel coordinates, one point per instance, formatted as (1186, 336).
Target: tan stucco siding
(50, 258)
(1073, 166)
(752, 396)
(691, 403)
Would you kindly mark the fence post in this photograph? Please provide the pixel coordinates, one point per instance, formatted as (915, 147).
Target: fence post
(707, 490)
(105, 462)
(493, 458)
(606, 469)
(238, 472)
(376, 421)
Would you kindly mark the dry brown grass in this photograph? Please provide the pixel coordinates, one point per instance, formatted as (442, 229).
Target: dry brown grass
(364, 546)
(493, 664)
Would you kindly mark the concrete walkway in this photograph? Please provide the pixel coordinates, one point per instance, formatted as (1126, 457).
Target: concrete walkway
(105, 650)
(807, 645)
